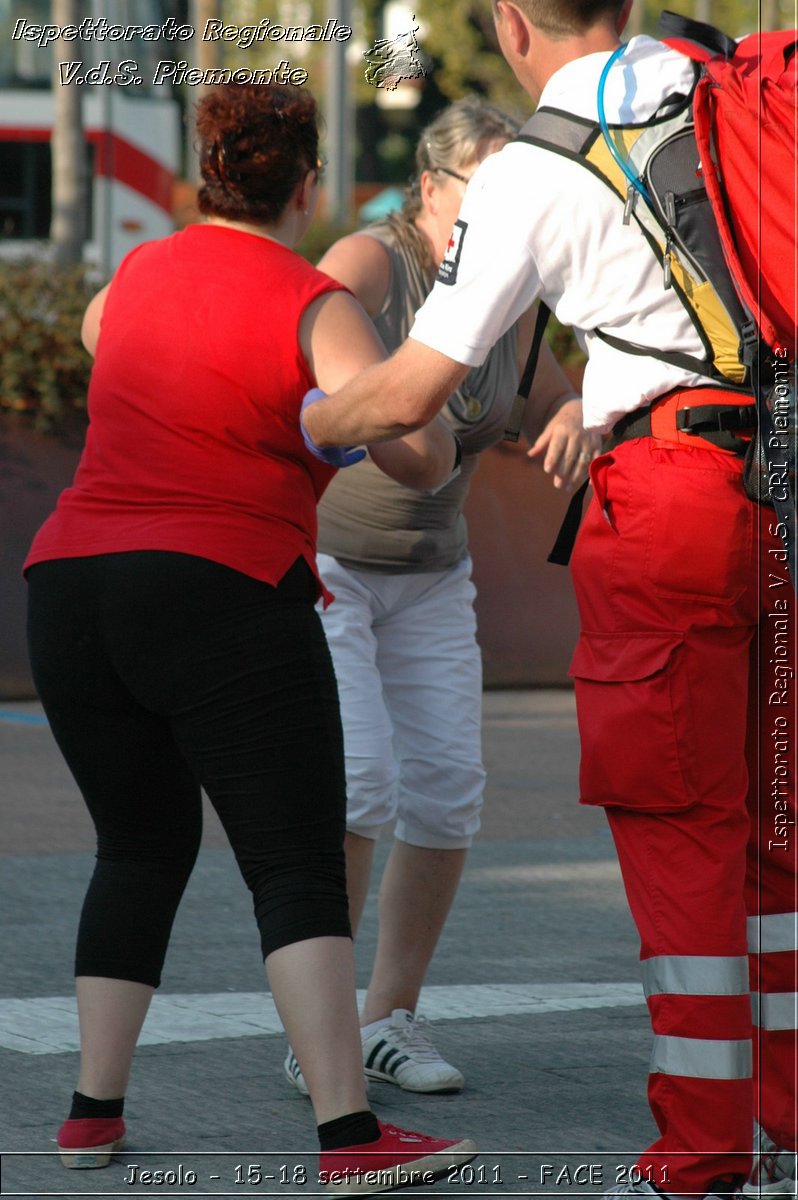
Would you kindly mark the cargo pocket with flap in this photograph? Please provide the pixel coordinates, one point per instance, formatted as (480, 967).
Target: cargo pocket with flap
(635, 721)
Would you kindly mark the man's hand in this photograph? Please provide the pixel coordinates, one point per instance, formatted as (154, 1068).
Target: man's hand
(567, 449)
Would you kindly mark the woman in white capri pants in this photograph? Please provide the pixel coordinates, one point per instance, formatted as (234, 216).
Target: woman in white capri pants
(402, 629)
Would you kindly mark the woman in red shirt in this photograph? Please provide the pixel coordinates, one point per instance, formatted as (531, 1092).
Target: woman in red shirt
(173, 635)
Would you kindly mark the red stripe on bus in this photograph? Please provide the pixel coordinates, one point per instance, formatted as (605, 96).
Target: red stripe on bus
(115, 159)
(120, 160)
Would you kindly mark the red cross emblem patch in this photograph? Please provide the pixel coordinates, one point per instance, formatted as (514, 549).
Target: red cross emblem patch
(447, 271)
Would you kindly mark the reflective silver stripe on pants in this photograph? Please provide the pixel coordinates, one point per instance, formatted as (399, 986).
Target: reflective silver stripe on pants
(773, 934)
(775, 1010)
(701, 1058)
(695, 975)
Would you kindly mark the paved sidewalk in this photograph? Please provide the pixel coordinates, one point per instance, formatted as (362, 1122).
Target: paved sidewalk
(534, 994)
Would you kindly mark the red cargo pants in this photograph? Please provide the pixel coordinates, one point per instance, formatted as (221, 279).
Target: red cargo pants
(686, 699)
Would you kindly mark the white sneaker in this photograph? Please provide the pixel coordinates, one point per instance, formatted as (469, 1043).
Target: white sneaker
(293, 1073)
(773, 1173)
(401, 1052)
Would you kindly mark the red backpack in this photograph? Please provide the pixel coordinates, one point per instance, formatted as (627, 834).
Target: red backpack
(745, 110)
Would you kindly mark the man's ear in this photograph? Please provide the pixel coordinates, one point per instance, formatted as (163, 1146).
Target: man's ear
(513, 25)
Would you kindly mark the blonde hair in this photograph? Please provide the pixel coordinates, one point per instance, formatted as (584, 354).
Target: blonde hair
(453, 139)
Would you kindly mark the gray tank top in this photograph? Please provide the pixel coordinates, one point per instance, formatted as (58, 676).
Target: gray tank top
(368, 521)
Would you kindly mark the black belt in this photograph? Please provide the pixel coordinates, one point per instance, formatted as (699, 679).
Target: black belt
(715, 423)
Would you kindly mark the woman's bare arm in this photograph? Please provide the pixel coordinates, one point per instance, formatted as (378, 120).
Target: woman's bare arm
(339, 341)
(362, 264)
(92, 319)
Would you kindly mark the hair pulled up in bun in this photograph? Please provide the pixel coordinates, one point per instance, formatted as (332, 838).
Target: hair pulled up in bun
(256, 141)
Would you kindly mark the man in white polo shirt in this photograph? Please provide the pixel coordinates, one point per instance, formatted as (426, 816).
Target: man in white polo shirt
(674, 573)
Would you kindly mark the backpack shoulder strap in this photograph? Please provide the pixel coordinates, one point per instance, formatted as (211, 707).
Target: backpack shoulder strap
(516, 417)
(695, 39)
(555, 129)
(572, 137)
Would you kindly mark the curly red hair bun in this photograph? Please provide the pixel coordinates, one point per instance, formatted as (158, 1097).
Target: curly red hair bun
(256, 141)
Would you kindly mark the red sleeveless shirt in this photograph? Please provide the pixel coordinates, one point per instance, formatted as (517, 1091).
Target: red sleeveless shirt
(194, 442)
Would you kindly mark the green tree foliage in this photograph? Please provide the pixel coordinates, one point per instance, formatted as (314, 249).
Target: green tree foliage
(460, 36)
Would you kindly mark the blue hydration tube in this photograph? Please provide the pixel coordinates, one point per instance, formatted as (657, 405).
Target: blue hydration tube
(605, 129)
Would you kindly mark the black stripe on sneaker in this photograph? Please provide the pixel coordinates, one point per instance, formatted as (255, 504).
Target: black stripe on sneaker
(385, 1060)
(374, 1053)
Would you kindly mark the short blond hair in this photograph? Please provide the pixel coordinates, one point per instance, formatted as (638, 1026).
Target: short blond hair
(568, 18)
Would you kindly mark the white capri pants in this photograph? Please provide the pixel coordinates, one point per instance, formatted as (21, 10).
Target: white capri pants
(409, 676)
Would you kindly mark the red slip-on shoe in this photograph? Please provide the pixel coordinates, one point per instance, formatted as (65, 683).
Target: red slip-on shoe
(399, 1158)
(90, 1141)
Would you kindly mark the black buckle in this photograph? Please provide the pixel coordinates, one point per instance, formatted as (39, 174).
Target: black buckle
(716, 418)
(749, 342)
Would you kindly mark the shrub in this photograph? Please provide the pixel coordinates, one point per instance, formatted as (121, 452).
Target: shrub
(44, 369)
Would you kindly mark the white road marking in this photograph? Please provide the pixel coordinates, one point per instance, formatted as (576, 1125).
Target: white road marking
(578, 872)
(49, 1024)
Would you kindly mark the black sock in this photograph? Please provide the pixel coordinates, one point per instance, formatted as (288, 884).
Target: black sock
(84, 1107)
(355, 1129)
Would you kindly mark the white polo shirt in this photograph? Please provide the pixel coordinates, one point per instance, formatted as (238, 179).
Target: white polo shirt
(533, 223)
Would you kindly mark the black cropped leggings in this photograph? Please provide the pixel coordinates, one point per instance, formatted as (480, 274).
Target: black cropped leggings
(161, 673)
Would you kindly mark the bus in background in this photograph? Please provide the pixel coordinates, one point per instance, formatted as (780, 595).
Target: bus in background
(132, 130)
